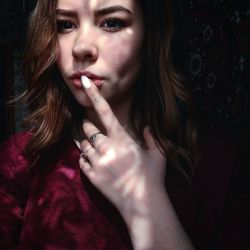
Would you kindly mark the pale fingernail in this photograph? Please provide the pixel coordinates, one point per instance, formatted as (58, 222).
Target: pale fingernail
(85, 82)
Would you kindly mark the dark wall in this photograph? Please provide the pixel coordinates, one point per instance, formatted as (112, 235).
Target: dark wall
(211, 49)
(13, 19)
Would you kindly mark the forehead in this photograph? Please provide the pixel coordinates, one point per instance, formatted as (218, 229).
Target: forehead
(93, 4)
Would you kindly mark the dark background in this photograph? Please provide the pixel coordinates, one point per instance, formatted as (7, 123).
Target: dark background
(211, 49)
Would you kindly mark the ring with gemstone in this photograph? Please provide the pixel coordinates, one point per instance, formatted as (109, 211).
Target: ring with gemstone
(92, 138)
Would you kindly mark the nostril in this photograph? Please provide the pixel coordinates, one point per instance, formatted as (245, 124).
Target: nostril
(85, 51)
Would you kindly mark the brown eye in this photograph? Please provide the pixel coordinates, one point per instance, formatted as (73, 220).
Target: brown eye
(113, 25)
(65, 26)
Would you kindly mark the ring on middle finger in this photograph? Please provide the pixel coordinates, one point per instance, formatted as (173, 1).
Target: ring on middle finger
(84, 154)
(92, 138)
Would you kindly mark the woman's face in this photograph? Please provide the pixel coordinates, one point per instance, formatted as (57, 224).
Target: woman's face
(100, 39)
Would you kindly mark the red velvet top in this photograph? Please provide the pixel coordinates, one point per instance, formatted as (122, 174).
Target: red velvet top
(55, 207)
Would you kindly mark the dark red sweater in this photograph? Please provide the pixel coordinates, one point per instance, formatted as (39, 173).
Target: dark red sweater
(55, 207)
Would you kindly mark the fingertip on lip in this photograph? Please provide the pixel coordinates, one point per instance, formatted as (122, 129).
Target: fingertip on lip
(86, 83)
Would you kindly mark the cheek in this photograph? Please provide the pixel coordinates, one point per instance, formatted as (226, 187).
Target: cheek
(123, 56)
(63, 59)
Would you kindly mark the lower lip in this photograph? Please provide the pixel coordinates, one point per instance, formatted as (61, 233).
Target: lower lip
(77, 82)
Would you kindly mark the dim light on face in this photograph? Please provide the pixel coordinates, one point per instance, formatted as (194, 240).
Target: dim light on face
(102, 40)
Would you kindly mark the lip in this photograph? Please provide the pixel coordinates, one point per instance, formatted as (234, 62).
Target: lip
(76, 78)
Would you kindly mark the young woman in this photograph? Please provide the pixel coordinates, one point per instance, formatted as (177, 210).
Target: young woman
(108, 119)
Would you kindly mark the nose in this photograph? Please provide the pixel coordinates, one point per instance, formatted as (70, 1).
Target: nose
(85, 47)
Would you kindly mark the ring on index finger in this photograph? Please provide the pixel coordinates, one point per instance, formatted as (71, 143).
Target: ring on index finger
(92, 138)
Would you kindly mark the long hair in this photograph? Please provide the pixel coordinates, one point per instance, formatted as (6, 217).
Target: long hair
(50, 104)
(163, 106)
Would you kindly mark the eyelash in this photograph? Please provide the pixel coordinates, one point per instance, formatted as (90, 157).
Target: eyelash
(61, 26)
(118, 24)
(121, 24)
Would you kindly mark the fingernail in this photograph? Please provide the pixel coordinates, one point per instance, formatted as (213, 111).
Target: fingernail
(85, 82)
(85, 120)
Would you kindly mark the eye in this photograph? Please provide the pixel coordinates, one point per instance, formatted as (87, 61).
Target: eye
(64, 26)
(113, 25)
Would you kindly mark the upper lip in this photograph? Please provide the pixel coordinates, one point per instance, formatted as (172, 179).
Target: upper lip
(90, 75)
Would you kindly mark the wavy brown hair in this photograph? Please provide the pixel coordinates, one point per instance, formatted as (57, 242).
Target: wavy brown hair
(164, 104)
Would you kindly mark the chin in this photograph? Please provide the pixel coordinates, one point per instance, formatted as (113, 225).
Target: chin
(85, 103)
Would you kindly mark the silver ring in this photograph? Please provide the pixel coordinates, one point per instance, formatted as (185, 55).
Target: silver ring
(84, 154)
(92, 138)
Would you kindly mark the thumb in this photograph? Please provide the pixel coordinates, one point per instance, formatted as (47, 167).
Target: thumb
(149, 139)
(151, 146)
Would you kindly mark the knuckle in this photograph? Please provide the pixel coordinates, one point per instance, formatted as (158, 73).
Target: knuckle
(104, 109)
(84, 144)
(99, 164)
(102, 148)
(96, 97)
(105, 113)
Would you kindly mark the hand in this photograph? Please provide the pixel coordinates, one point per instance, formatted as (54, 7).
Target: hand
(126, 174)
(131, 178)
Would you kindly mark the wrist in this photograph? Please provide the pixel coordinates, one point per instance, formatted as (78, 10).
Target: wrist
(153, 224)
(144, 203)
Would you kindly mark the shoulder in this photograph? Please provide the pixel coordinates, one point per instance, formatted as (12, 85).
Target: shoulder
(18, 140)
(15, 183)
(15, 144)
(12, 156)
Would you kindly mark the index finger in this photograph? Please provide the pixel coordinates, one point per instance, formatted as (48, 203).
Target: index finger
(100, 105)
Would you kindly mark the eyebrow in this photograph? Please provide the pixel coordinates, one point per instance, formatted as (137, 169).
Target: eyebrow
(111, 9)
(67, 13)
(97, 13)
